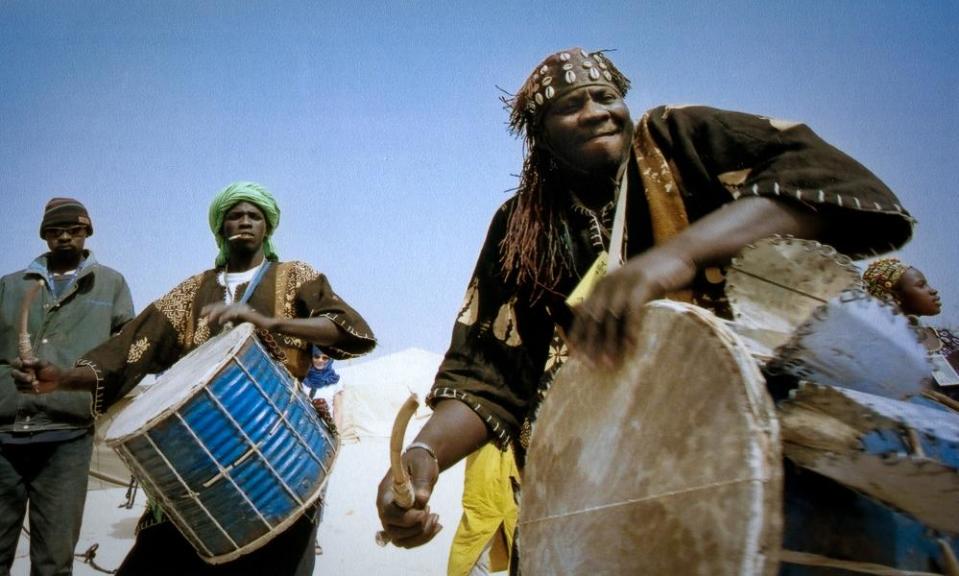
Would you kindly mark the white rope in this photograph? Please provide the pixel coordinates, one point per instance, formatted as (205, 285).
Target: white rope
(807, 559)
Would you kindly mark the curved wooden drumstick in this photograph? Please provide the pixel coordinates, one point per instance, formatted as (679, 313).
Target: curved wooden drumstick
(24, 347)
(402, 486)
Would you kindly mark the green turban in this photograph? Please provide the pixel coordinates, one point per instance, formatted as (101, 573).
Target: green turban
(243, 192)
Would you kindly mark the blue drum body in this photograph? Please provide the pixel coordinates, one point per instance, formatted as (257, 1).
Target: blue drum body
(878, 484)
(240, 458)
(821, 516)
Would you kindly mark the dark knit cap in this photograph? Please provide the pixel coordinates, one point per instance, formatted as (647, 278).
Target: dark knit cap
(65, 212)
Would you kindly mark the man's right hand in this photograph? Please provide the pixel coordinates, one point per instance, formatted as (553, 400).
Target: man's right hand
(35, 376)
(417, 525)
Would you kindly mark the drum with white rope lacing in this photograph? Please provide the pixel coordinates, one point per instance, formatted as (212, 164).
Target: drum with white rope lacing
(228, 445)
(669, 463)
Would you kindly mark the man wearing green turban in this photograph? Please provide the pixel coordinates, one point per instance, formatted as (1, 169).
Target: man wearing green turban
(291, 305)
(244, 192)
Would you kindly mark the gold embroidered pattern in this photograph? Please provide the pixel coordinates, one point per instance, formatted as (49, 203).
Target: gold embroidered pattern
(177, 306)
(557, 355)
(289, 277)
(298, 273)
(96, 397)
(293, 342)
(137, 349)
(504, 327)
(469, 311)
(525, 432)
(202, 333)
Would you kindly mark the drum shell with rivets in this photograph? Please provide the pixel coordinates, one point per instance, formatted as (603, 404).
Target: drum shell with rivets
(228, 445)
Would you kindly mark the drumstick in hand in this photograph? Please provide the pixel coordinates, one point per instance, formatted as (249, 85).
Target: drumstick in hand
(402, 486)
(24, 347)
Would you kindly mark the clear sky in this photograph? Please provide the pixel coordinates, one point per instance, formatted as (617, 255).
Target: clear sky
(377, 125)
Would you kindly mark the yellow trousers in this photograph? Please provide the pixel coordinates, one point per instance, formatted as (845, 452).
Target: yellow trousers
(489, 511)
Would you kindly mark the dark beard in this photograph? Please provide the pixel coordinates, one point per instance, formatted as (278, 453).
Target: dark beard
(63, 260)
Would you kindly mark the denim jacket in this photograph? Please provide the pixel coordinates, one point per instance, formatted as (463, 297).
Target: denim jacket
(94, 306)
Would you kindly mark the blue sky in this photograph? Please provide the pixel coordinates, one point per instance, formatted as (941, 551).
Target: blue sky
(378, 127)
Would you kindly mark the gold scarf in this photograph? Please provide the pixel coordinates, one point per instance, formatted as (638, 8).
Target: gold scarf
(666, 209)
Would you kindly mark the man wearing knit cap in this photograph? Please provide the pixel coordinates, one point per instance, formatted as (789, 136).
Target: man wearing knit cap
(291, 305)
(46, 443)
(698, 184)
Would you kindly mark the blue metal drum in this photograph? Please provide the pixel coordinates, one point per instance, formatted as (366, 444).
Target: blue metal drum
(869, 480)
(228, 445)
(826, 518)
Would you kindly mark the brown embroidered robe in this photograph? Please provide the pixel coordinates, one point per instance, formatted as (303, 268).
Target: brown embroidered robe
(171, 327)
(504, 349)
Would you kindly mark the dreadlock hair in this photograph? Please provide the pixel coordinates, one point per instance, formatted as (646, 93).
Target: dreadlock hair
(536, 248)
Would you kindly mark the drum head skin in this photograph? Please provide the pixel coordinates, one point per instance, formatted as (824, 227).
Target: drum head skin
(774, 285)
(228, 445)
(668, 464)
(178, 384)
(856, 341)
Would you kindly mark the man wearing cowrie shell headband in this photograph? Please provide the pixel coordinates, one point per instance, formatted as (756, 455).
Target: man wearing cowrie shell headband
(694, 186)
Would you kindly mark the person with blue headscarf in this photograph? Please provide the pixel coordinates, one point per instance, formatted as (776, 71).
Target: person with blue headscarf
(321, 373)
(293, 308)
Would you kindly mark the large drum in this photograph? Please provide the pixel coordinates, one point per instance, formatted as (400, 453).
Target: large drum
(873, 481)
(856, 341)
(228, 445)
(776, 284)
(668, 464)
(903, 454)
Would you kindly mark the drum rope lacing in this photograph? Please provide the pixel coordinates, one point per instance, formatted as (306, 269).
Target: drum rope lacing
(808, 559)
(630, 501)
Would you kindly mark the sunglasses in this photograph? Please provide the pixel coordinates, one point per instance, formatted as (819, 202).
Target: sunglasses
(53, 232)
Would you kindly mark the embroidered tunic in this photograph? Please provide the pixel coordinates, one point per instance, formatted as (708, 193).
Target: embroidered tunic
(505, 347)
(171, 327)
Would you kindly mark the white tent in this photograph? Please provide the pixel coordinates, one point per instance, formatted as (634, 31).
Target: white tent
(371, 392)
